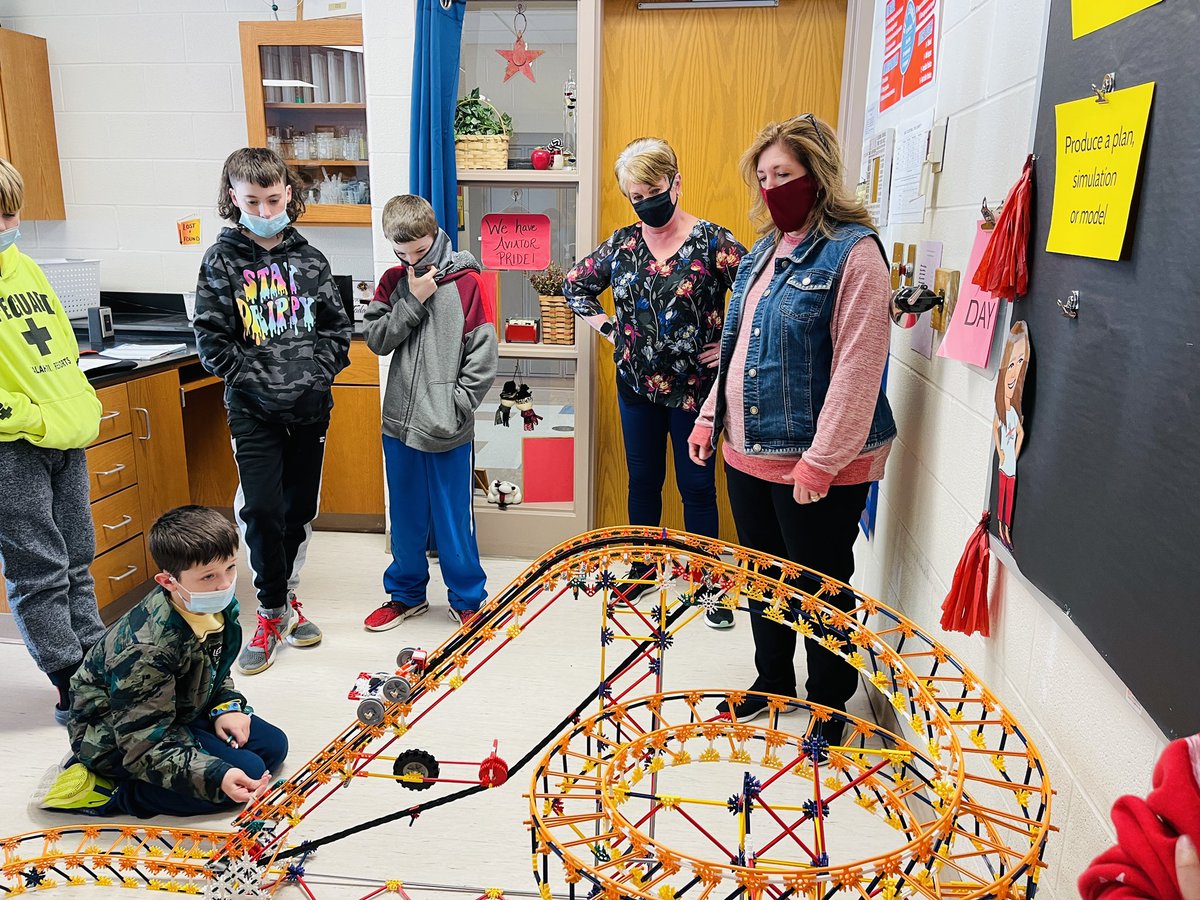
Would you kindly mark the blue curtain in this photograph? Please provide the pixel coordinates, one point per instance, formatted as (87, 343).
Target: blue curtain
(432, 174)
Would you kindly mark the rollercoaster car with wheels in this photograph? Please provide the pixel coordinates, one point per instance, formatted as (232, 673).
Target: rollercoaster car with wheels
(374, 690)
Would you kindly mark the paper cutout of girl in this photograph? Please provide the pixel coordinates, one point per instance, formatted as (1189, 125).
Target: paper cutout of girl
(1008, 430)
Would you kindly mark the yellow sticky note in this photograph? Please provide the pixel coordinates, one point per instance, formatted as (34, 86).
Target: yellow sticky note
(1098, 157)
(189, 231)
(1092, 15)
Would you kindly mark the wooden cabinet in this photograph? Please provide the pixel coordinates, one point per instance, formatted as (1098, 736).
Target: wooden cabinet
(156, 407)
(27, 136)
(352, 479)
(306, 97)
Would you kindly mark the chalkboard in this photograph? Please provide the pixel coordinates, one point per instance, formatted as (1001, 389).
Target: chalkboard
(1107, 514)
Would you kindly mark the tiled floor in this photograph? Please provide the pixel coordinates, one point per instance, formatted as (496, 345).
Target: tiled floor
(523, 693)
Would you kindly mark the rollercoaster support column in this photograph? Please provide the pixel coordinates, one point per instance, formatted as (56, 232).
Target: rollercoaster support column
(661, 647)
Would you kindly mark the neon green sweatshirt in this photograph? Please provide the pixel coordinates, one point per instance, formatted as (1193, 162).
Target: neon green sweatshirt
(44, 396)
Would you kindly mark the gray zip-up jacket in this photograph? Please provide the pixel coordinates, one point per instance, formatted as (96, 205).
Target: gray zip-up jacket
(444, 355)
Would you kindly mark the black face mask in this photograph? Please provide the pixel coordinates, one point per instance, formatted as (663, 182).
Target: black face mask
(656, 211)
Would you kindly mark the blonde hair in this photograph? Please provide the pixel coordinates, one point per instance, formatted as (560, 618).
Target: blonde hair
(646, 160)
(814, 145)
(263, 167)
(408, 217)
(12, 189)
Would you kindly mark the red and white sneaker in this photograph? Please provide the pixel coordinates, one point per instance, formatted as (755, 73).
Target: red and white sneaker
(461, 616)
(391, 614)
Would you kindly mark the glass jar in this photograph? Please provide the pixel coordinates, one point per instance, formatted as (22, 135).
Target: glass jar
(301, 147)
(324, 147)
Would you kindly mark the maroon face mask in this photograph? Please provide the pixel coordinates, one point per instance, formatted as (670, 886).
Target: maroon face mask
(791, 202)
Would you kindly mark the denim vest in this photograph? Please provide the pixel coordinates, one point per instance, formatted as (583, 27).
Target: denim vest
(789, 358)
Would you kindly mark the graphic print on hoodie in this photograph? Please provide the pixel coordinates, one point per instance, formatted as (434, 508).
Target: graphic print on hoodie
(271, 324)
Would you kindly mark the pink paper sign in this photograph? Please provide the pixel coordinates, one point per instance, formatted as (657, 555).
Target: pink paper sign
(515, 241)
(969, 337)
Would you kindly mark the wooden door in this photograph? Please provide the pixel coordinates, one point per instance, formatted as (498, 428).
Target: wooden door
(706, 81)
(156, 407)
(27, 136)
(352, 479)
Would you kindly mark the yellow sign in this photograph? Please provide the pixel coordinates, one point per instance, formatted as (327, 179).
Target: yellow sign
(189, 231)
(1092, 15)
(1098, 157)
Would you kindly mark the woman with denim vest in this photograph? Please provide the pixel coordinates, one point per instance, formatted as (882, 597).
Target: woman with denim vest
(799, 390)
(669, 274)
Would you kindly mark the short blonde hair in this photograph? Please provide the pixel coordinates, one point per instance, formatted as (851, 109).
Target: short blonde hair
(408, 218)
(646, 160)
(12, 189)
(815, 146)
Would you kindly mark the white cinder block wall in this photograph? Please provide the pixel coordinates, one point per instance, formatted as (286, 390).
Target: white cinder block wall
(148, 103)
(1099, 745)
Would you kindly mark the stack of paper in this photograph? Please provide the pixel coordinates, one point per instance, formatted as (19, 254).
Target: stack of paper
(143, 351)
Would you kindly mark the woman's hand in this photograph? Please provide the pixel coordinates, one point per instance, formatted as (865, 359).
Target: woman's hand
(699, 452)
(803, 495)
(711, 355)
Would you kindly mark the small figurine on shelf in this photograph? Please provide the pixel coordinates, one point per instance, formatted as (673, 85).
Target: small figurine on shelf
(508, 398)
(524, 403)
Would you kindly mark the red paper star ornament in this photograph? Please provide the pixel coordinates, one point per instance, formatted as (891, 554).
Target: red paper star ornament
(520, 58)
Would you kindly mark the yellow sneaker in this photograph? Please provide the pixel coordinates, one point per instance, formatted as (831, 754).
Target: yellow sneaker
(78, 790)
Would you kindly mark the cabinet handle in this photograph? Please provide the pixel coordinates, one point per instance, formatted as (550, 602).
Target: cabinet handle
(125, 520)
(112, 415)
(145, 412)
(128, 572)
(119, 467)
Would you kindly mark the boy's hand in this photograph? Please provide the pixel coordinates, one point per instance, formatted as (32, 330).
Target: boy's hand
(423, 286)
(241, 788)
(233, 728)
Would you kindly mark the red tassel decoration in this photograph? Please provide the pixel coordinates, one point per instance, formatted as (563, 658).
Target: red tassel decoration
(1004, 269)
(966, 606)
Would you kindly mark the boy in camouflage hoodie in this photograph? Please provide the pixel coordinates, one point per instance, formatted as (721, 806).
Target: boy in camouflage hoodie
(157, 726)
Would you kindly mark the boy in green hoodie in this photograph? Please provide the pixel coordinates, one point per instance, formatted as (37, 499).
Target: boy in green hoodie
(270, 322)
(48, 414)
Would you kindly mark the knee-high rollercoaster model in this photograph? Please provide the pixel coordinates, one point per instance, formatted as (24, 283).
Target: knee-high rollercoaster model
(966, 790)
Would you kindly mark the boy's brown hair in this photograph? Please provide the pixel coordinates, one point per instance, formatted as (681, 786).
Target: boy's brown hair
(263, 167)
(12, 189)
(408, 218)
(190, 536)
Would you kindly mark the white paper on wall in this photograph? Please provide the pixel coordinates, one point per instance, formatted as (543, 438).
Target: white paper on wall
(912, 146)
(929, 257)
(879, 175)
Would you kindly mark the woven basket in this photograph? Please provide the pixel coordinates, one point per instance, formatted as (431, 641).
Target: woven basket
(558, 320)
(481, 151)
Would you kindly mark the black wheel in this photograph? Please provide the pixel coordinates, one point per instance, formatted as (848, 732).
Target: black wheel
(416, 762)
(395, 690)
(370, 711)
(405, 656)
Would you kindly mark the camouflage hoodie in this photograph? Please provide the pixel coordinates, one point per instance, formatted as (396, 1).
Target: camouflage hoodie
(272, 325)
(139, 688)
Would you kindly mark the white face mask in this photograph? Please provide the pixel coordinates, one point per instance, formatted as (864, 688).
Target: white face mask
(206, 602)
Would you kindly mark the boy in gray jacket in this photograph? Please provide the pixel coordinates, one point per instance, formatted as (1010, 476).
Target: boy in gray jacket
(429, 313)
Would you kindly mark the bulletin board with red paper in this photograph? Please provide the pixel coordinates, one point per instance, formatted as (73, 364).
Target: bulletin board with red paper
(1106, 511)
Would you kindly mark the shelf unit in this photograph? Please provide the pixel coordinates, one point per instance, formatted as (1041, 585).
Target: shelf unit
(335, 43)
(527, 529)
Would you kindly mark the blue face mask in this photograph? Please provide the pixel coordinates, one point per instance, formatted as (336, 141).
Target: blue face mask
(265, 228)
(8, 237)
(206, 602)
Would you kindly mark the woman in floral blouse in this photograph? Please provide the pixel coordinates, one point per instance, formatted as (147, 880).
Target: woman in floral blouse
(669, 273)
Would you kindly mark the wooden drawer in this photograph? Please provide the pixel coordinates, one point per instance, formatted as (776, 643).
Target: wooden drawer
(117, 518)
(119, 570)
(363, 368)
(114, 415)
(111, 467)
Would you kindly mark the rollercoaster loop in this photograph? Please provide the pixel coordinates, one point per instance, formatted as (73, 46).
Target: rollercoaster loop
(968, 794)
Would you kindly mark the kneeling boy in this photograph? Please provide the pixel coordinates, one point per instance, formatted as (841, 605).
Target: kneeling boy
(156, 725)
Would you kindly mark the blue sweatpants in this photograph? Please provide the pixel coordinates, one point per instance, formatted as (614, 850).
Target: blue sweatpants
(424, 490)
(263, 752)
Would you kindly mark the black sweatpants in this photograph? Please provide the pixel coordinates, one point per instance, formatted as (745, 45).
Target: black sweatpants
(279, 470)
(818, 535)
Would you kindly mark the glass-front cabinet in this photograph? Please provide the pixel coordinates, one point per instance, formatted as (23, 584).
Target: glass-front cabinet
(306, 98)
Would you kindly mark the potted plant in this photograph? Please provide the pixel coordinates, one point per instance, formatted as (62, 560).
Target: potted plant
(481, 133)
(558, 320)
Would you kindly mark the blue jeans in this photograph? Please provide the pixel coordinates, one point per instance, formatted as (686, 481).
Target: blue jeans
(263, 752)
(432, 490)
(645, 427)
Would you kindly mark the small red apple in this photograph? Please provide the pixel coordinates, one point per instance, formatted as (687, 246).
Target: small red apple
(540, 158)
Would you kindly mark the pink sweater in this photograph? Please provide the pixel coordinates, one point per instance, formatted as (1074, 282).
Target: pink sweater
(861, 331)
